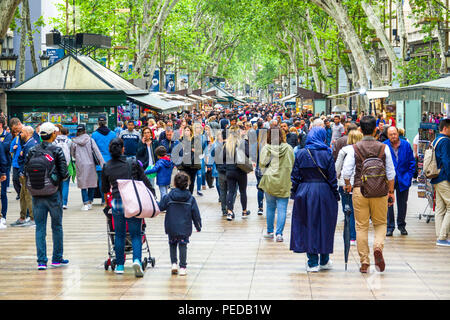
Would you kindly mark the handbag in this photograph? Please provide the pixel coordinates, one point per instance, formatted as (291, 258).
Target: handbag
(94, 155)
(138, 201)
(242, 162)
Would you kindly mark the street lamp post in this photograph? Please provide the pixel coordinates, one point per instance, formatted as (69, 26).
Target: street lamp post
(8, 70)
(44, 60)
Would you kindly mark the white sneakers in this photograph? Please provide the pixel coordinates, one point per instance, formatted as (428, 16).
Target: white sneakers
(268, 235)
(3, 223)
(182, 271)
(86, 207)
(279, 238)
(312, 269)
(327, 266)
(174, 268)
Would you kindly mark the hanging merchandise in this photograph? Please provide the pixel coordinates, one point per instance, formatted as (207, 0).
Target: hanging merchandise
(427, 133)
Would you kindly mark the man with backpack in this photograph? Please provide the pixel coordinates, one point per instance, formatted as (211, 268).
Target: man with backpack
(373, 189)
(45, 169)
(441, 183)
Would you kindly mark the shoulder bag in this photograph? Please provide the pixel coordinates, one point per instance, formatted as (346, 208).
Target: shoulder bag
(138, 201)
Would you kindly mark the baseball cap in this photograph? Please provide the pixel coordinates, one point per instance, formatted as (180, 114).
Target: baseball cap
(47, 128)
(101, 118)
(81, 127)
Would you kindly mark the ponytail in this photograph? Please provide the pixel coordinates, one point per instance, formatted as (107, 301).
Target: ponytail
(116, 148)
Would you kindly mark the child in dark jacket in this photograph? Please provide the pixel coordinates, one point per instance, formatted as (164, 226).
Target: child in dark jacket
(163, 169)
(181, 210)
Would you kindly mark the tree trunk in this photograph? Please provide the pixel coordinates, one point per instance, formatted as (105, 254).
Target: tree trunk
(148, 34)
(23, 44)
(317, 44)
(7, 10)
(30, 36)
(440, 32)
(380, 32)
(401, 30)
(336, 10)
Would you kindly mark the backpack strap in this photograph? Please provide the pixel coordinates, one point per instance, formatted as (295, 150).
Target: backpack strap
(380, 154)
(358, 152)
(434, 145)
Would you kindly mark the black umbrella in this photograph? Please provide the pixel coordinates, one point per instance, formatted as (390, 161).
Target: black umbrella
(347, 212)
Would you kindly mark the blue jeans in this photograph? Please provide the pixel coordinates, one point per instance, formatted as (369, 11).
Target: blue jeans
(313, 259)
(275, 203)
(65, 191)
(41, 207)
(260, 193)
(4, 195)
(87, 195)
(347, 199)
(163, 190)
(201, 177)
(134, 228)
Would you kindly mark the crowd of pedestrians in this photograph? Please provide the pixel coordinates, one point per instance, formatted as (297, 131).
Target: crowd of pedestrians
(317, 161)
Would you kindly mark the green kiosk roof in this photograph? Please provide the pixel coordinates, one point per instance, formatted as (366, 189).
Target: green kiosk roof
(73, 81)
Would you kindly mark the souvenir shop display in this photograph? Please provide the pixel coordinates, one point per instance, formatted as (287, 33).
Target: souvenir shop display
(425, 190)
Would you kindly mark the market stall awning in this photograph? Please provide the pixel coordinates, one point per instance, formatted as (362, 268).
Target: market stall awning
(379, 92)
(435, 91)
(343, 95)
(289, 97)
(158, 103)
(196, 97)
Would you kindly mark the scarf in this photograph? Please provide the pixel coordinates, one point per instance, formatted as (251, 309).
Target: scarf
(316, 138)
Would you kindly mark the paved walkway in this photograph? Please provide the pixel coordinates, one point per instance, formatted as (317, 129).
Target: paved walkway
(227, 260)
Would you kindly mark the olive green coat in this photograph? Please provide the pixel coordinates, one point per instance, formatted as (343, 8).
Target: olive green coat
(276, 162)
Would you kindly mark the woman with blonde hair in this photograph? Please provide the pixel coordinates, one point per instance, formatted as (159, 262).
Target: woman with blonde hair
(235, 176)
(354, 136)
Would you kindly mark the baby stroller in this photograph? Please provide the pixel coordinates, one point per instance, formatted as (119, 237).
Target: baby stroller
(128, 247)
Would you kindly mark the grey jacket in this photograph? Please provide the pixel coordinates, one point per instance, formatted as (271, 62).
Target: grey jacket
(81, 152)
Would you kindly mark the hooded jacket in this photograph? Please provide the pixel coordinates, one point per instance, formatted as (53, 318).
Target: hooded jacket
(81, 151)
(102, 137)
(163, 169)
(181, 211)
(276, 162)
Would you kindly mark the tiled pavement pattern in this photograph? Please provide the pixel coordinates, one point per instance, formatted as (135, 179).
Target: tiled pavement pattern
(227, 260)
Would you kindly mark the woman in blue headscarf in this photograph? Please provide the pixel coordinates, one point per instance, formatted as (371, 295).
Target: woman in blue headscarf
(315, 194)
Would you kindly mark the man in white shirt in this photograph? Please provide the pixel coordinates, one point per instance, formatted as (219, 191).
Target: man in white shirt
(366, 209)
(337, 130)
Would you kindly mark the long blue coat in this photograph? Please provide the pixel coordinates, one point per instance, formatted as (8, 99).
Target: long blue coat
(314, 215)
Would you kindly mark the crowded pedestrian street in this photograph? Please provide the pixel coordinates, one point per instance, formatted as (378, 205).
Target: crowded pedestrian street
(227, 260)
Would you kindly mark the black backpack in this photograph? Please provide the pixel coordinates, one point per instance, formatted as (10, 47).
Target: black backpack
(39, 173)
